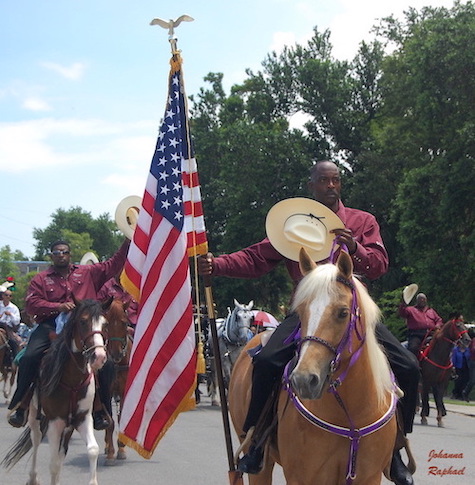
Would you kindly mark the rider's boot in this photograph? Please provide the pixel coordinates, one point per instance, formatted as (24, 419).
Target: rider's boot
(100, 417)
(19, 416)
(252, 461)
(399, 472)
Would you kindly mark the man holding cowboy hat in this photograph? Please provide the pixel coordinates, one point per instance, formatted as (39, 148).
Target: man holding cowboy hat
(314, 224)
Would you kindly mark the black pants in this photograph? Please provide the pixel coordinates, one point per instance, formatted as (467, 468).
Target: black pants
(270, 362)
(415, 339)
(29, 365)
(105, 376)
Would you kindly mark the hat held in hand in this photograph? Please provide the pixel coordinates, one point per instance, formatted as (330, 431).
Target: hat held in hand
(301, 222)
(409, 293)
(127, 214)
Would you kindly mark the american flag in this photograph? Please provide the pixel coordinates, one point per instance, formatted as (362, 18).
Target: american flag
(170, 228)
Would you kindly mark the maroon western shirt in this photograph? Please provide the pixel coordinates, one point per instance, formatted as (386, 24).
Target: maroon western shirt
(114, 289)
(48, 289)
(370, 258)
(419, 318)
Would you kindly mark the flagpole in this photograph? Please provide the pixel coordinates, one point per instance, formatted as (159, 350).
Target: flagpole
(235, 476)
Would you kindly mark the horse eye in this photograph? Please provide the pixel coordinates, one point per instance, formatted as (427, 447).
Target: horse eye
(343, 313)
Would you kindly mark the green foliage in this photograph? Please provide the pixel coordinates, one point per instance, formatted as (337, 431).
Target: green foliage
(100, 235)
(388, 304)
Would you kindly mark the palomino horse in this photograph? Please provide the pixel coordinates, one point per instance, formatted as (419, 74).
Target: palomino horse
(436, 366)
(335, 414)
(119, 346)
(66, 393)
(233, 335)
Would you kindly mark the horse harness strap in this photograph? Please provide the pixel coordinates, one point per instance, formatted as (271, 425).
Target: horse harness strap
(73, 391)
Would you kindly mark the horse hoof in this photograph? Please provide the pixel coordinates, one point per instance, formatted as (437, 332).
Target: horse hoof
(121, 455)
(109, 462)
(424, 421)
(215, 403)
(440, 424)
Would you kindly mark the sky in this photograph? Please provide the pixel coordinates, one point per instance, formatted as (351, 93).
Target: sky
(83, 85)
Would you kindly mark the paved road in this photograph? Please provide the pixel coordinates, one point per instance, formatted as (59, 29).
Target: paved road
(193, 453)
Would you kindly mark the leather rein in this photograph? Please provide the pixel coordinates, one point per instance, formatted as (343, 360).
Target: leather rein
(353, 433)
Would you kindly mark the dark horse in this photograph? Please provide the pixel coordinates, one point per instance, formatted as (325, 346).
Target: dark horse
(65, 393)
(436, 366)
(119, 346)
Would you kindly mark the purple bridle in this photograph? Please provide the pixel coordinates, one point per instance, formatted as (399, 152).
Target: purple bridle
(353, 433)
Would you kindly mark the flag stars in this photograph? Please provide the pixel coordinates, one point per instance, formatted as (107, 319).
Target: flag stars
(163, 175)
(161, 148)
(164, 189)
(169, 114)
(178, 216)
(172, 128)
(176, 186)
(165, 204)
(174, 142)
(175, 157)
(177, 200)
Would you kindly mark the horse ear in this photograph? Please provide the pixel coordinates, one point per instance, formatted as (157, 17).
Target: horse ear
(345, 264)
(250, 305)
(107, 303)
(305, 262)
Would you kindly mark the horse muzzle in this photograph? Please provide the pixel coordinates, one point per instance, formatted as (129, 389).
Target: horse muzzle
(308, 385)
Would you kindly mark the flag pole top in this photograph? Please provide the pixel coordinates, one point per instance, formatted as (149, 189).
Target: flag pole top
(170, 25)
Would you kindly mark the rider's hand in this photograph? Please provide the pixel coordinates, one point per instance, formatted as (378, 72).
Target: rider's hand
(346, 238)
(66, 307)
(205, 264)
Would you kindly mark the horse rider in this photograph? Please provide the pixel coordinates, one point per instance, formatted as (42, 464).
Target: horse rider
(362, 237)
(50, 293)
(10, 320)
(420, 321)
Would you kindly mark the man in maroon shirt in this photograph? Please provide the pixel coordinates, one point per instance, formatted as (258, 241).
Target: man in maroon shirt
(49, 294)
(113, 288)
(420, 320)
(362, 238)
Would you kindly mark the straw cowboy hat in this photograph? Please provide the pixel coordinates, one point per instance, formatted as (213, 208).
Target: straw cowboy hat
(300, 222)
(409, 293)
(127, 213)
(2, 289)
(89, 258)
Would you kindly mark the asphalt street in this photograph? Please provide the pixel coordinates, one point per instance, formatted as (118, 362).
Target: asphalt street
(193, 453)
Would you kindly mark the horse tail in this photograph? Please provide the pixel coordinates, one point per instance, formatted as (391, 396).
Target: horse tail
(23, 445)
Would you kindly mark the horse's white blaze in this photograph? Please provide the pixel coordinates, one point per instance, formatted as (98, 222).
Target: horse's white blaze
(100, 355)
(316, 310)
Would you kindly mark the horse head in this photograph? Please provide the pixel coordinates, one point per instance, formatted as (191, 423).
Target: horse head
(117, 330)
(455, 332)
(85, 328)
(336, 314)
(238, 323)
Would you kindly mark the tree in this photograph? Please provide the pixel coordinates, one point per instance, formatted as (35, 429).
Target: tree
(100, 234)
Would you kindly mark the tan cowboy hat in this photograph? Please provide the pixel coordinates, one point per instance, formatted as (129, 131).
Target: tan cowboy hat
(89, 258)
(300, 222)
(409, 292)
(127, 213)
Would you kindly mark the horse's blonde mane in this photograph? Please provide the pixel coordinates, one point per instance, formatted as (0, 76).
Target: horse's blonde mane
(319, 284)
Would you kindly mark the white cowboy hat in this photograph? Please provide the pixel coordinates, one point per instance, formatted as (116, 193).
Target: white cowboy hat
(89, 258)
(300, 222)
(409, 292)
(6, 285)
(2, 289)
(127, 213)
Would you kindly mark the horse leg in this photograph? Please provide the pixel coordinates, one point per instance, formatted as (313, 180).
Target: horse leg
(35, 435)
(56, 429)
(438, 392)
(86, 430)
(109, 440)
(121, 455)
(425, 403)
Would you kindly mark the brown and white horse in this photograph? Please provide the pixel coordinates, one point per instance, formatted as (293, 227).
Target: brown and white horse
(335, 412)
(66, 393)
